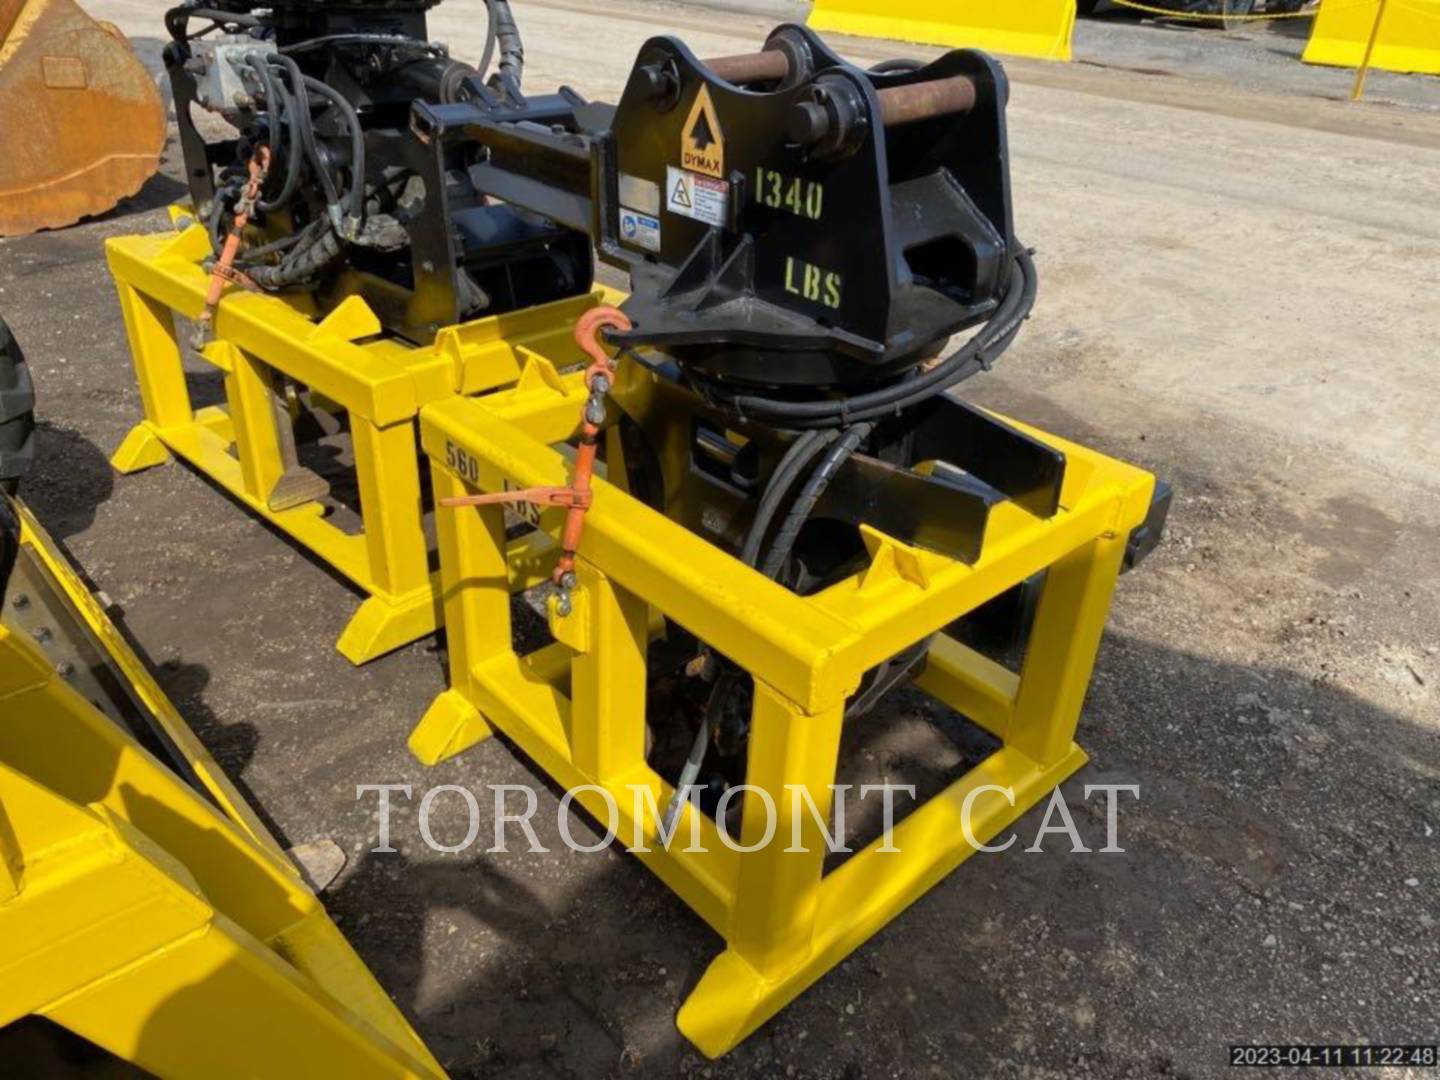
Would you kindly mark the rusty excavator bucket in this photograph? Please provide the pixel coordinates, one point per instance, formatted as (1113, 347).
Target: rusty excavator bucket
(81, 122)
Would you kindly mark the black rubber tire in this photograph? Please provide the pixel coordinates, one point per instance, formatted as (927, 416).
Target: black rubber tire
(9, 544)
(1086, 7)
(17, 413)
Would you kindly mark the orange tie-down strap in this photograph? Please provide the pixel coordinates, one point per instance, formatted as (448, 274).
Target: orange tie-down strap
(599, 377)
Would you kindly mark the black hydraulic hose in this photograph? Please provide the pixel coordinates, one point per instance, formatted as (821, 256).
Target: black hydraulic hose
(267, 89)
(394, 41)
(297, 240)
(177, 17)
(355, 198)
(489, 51)
(815, 486)
(212, 222)
(800, 453)
(299, 266)
(279, 105)
(294, 150)
(306, 130)
(975, 355)
(507, 34)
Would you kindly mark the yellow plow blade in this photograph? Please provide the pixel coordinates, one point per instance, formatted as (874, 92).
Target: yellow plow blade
(83, 124)
(1040, 28)
(143, 904)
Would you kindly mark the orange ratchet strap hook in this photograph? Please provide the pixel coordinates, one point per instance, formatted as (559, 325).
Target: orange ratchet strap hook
(599, 378)
(223, 271)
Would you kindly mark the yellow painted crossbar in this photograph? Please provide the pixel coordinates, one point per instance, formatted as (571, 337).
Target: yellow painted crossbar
(1040, 28)
(377, 382)
(577, 707)
(157, 918)
(1406, 35)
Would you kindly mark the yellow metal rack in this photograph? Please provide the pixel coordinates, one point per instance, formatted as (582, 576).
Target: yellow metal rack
(577, 706)
(153, 916)
(379, 383)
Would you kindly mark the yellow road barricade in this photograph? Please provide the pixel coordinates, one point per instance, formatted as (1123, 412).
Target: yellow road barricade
(1040, 28)
(1407, 37)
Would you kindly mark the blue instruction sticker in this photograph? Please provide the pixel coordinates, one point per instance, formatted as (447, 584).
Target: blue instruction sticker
(639, 229)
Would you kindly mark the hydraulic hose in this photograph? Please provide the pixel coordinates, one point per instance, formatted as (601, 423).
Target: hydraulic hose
(217, 209)
(507, 35)
(279, 105)
(306, 130)
(299, 266)
(975, 355)
(355, 197)
(177, 17)
(839, 452)
(488, 53)
(394, 41)
(801, 452)
(299, 241)
(317, 245)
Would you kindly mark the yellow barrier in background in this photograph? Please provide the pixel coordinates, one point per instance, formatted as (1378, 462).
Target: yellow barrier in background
(1020, 27)
(1406, 39)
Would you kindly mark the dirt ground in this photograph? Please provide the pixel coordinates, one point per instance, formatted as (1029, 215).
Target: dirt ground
(1239, 291)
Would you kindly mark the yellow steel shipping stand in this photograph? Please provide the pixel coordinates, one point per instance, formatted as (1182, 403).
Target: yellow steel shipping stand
(1040, 28)
(577, 706)
(247, 446)
(150, 914)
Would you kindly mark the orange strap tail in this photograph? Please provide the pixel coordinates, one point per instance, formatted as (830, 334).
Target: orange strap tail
(223, 270)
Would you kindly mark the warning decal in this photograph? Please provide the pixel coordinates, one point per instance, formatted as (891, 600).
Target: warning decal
(702, 143)
(698, 197)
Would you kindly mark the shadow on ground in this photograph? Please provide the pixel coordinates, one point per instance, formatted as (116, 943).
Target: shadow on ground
(584, 979)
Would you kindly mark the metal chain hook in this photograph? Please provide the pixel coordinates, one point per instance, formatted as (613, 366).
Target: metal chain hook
(577, 497)
(223, 269)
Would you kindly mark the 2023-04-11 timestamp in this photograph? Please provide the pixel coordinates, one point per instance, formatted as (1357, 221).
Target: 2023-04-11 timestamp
(1334, 1055)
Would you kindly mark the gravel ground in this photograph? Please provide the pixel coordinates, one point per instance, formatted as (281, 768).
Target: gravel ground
(1239, 291)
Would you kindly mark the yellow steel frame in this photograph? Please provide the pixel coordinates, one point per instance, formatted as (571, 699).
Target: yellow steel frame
(577, 706)
(379, 381)
(160, 923)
